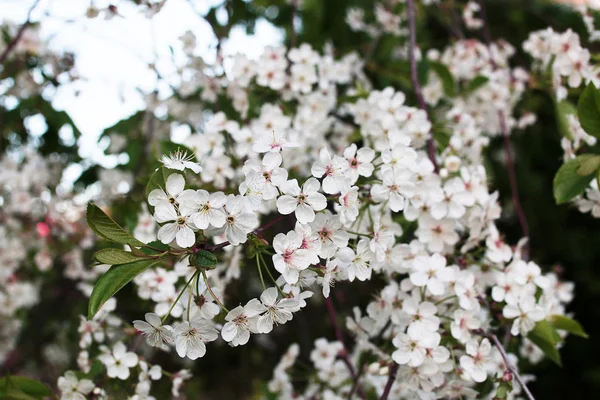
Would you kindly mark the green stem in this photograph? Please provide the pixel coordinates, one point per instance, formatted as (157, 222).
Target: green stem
(444, 299)
(260, 272)
(212, 294)
(271, 276)
(178, 297)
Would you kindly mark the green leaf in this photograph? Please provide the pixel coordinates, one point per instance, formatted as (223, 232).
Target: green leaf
(22, 387)
(546, 338)
(113, 280)
(445, 76)
(572, 178)
(107, 228)
(116, 256)
(588, 164)
(565, 323)
(589, 111)
(476, 83)
(563, 110)
(204, 259)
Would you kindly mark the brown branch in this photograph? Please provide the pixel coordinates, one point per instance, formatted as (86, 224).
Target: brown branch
(512, 177)
(340, 338)
(390, 382)
(512, 369)
(414, 78)
(19, 34)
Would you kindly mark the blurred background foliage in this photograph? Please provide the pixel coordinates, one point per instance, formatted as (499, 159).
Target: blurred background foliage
(561, 238)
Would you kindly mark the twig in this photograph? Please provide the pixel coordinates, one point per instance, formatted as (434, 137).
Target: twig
(512, 177)
(19, 34)
(390, 382)
(512, 369)
(414, 78)
(340, 338)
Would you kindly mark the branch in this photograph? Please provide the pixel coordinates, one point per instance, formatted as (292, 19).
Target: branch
(390, 382)
(414, 78)
(512, 369)
(340, 338)
(512, 177)
(19, 34)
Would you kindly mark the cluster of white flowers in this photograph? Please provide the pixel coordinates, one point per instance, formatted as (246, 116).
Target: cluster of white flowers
(386, 20)
(589, 12)
(39, 231)
(570, 60)
(348, 198)
(564, 55)
(342, 178)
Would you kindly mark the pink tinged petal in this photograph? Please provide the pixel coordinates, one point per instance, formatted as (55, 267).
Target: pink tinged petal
(166, 234)
(175, 184)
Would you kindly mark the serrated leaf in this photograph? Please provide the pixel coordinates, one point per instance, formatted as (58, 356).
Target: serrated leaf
(113, 280)
(445, 76)
(563, 110)
(28, 388)
(588, 110)
(204, 259)
(546, 338)
(116, 256)
(565, 323)
(569, 182)
(107, 228)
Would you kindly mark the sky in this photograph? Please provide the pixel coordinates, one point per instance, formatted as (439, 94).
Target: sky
(112, 56)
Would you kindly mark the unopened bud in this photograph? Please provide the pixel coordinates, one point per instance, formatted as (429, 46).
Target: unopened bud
(508, 376)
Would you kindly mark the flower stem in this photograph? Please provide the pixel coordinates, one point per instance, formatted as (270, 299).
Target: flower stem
(179, 297)
(212, 293)
(260, 272)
